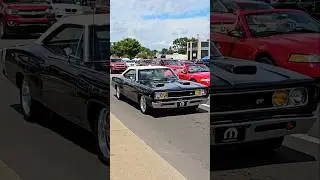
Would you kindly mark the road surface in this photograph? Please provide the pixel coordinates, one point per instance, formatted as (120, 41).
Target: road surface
(34, 151)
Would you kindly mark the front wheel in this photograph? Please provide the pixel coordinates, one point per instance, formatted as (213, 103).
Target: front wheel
(102, 135)
(118, 93)
(144, 108)
(30, 107)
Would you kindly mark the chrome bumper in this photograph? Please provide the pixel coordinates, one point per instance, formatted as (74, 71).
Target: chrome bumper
(179, 103)
(303, 125)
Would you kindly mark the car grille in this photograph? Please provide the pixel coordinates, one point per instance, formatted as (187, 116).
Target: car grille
(235, 102)
(179, 94)
(32, 13)
(71, 10)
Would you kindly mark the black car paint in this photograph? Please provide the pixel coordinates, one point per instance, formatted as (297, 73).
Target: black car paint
(67, 87)
(134, 89)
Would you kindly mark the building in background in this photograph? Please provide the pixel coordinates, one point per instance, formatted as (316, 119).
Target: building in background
(197, 50)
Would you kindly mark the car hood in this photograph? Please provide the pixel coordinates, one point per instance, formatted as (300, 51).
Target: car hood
(29, 6)
(201, 75)
(300, 42)
(265, 76)
(178, 85)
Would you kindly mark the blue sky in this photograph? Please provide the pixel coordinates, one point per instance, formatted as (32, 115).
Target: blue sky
(156, 23)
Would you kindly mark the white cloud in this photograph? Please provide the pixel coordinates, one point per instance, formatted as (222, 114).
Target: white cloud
(127, 21)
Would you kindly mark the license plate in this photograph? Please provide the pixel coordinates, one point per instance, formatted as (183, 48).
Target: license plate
(182, 104)
(229, 134)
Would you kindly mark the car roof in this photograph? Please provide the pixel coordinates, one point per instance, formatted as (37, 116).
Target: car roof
(97, 19)
(148, 67)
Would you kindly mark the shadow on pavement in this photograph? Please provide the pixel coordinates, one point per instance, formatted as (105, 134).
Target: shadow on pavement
(68, 130)
(159, 113)
(220, 161)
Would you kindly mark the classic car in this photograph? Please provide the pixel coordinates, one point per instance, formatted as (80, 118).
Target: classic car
(199, 73)
(25, 16)
(175, 65)
(129, 62)
(254, 105)
(117, 65)
(62, 73)
(155, 87)
(284, 38)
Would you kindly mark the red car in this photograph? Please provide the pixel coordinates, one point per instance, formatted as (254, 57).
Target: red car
(285, 38)
(175, 65)
(117, 65)
(199, 73)
(25, 16)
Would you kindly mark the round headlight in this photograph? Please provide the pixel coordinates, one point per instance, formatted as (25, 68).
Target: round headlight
(298, 96)
(161, 95)
(280, 98)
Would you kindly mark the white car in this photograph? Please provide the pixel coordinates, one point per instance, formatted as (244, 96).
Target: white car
(129, 62)
(63, 8)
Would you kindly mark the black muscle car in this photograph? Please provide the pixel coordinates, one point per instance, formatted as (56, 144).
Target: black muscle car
(156, 87)
(65, 71)
(258, 104)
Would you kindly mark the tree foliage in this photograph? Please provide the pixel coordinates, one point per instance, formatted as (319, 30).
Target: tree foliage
(126, 48)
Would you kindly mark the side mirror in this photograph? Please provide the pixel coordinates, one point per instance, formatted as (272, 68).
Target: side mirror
(131, 78)
(235, 33)
(67, 51)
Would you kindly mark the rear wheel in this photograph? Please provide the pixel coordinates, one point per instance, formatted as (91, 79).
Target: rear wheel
(102, 135)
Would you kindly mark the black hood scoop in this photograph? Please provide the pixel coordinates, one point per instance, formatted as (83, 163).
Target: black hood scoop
(159, 85)
(237, 69)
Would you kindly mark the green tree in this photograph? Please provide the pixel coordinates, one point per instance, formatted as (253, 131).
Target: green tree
(164, 51)
(180, 44)
(126, 48)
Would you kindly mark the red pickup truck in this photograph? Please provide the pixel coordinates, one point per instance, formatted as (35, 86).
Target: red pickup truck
(285, 38)
(117, 65)
(25, 16)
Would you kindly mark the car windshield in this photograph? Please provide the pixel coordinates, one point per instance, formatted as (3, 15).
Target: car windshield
(268, 24)
(116, 60)
(198, 68)
(254, 6)
(129, 61)
(163, 74)
(26, 1)
(172, 62)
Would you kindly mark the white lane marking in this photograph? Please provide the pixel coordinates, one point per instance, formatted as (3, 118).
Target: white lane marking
(307, 138)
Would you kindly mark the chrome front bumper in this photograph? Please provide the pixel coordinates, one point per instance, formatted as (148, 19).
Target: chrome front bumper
(303, 125)
(179, 103)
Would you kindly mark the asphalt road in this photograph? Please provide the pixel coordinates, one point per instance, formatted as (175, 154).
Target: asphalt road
(35, 151)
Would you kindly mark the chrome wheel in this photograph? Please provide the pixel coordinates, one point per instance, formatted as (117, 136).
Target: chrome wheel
(118, 92)
(143, 104)
(103, 130)
(25, 98)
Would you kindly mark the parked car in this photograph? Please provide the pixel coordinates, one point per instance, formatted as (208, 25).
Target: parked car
(129, 62)
(256, 105)
(155, 87)
(175, 65)
(117, 65)
(284, 38)
(25, 17)
(60, 71)
(63, 8)
(199, 73)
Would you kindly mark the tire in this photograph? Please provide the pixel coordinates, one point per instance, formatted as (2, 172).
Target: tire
(2, 31)
(118, 93)
(193, 108)
(102, 135)
(144, 108)
(30, 108)
(266, 60)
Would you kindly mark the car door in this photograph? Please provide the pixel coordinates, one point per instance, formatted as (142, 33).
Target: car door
(60, 76)
(129, 81)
